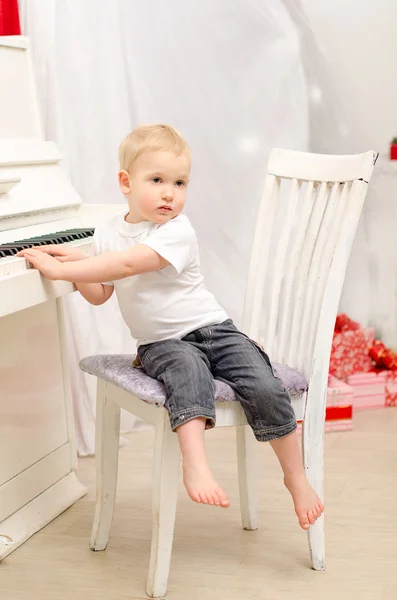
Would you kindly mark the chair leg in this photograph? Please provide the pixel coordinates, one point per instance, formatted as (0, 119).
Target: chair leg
(313, 457)
(107, 437)
(247, 474)
(166, 471)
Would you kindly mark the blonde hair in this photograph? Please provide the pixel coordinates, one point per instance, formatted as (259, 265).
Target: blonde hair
(149, 138)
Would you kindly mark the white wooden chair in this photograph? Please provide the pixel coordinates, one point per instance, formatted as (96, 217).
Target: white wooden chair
(307, 221)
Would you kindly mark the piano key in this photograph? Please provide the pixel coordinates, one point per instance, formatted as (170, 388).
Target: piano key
(60, 237)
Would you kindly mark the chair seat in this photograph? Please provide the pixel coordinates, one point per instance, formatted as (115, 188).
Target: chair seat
(118, 369)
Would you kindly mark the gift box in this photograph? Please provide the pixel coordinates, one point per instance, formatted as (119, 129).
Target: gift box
(393, 149)
(369, 389)
(349, 353)
(391, 388)
(339, 407)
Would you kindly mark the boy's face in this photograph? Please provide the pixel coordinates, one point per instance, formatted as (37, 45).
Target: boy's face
(156, 186)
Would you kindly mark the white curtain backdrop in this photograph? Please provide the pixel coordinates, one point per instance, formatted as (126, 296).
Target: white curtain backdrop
(229, 76)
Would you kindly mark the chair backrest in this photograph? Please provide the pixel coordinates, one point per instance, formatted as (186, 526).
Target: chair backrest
(306, 224)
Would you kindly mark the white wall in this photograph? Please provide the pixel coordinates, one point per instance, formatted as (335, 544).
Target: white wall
(359, 39)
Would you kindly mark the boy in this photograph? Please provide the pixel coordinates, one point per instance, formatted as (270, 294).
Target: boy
(185, 339)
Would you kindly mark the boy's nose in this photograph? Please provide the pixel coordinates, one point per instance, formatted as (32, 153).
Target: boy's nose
(167, 194)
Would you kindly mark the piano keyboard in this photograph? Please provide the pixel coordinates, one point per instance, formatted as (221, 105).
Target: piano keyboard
(21, 286)
(59, 237)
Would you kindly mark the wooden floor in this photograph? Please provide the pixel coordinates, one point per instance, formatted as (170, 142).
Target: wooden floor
(213, 558)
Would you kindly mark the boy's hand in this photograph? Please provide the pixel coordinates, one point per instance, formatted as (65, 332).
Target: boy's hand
(61, 252)
(47, 265)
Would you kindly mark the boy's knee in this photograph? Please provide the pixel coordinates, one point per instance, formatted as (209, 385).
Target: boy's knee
(269, 388)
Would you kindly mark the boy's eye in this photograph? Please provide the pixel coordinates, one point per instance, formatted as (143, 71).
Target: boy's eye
(179, 183)
(156, 179)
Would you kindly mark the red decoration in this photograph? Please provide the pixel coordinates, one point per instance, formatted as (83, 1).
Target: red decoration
(338, 413)
(393, 151)
(391, 389)
(349, 353)
(343, 323)
(354, 350)
(9, 18)
(383, 357)
(365, 363)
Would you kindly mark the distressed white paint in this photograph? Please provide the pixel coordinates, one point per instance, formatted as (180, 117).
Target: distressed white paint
(107, 434)
(317, 221)
(247, 473)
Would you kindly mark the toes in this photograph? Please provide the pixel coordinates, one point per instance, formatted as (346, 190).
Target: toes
(212, 497)
(309, 518)
(208, 498)
(312, 518)
(223, 500)
(304, 520)
(217, 501)
(195, 496)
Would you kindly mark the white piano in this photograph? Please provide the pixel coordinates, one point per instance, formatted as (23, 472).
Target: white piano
(37, 449)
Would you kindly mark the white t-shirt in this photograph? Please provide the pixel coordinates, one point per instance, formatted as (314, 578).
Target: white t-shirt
(163, 304)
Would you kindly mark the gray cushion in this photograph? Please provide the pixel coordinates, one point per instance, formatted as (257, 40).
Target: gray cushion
(118, 369)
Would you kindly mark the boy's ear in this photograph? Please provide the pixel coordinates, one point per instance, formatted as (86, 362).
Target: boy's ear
(124, 182)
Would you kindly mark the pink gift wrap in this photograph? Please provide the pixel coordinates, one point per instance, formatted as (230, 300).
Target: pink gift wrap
(339, 411)
(369, 389)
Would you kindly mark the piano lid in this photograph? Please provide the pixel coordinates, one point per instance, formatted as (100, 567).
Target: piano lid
(44, 192)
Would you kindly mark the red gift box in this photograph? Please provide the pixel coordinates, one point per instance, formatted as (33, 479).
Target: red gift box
(349, 353)
(391, 388)
(339, 408)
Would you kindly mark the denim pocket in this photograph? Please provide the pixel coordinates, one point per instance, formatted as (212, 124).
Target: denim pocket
(151, 359)
(264, 355)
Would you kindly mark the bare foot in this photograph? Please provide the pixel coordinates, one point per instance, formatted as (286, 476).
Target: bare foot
(202, 487)
(308, 505)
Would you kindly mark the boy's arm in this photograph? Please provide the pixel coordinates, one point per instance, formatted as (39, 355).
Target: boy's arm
(110, 266)
(95, 293)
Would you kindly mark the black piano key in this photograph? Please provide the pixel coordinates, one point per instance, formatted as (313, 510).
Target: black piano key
(17, 245)
(44, 241)
(59, 237)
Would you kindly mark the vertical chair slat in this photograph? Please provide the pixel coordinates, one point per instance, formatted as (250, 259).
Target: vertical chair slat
(277, 265)
(297, 326)
(290, 282)
(328, 240)
(259, 258)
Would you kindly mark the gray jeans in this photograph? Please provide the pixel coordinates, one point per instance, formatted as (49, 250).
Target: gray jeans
(188, 367)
